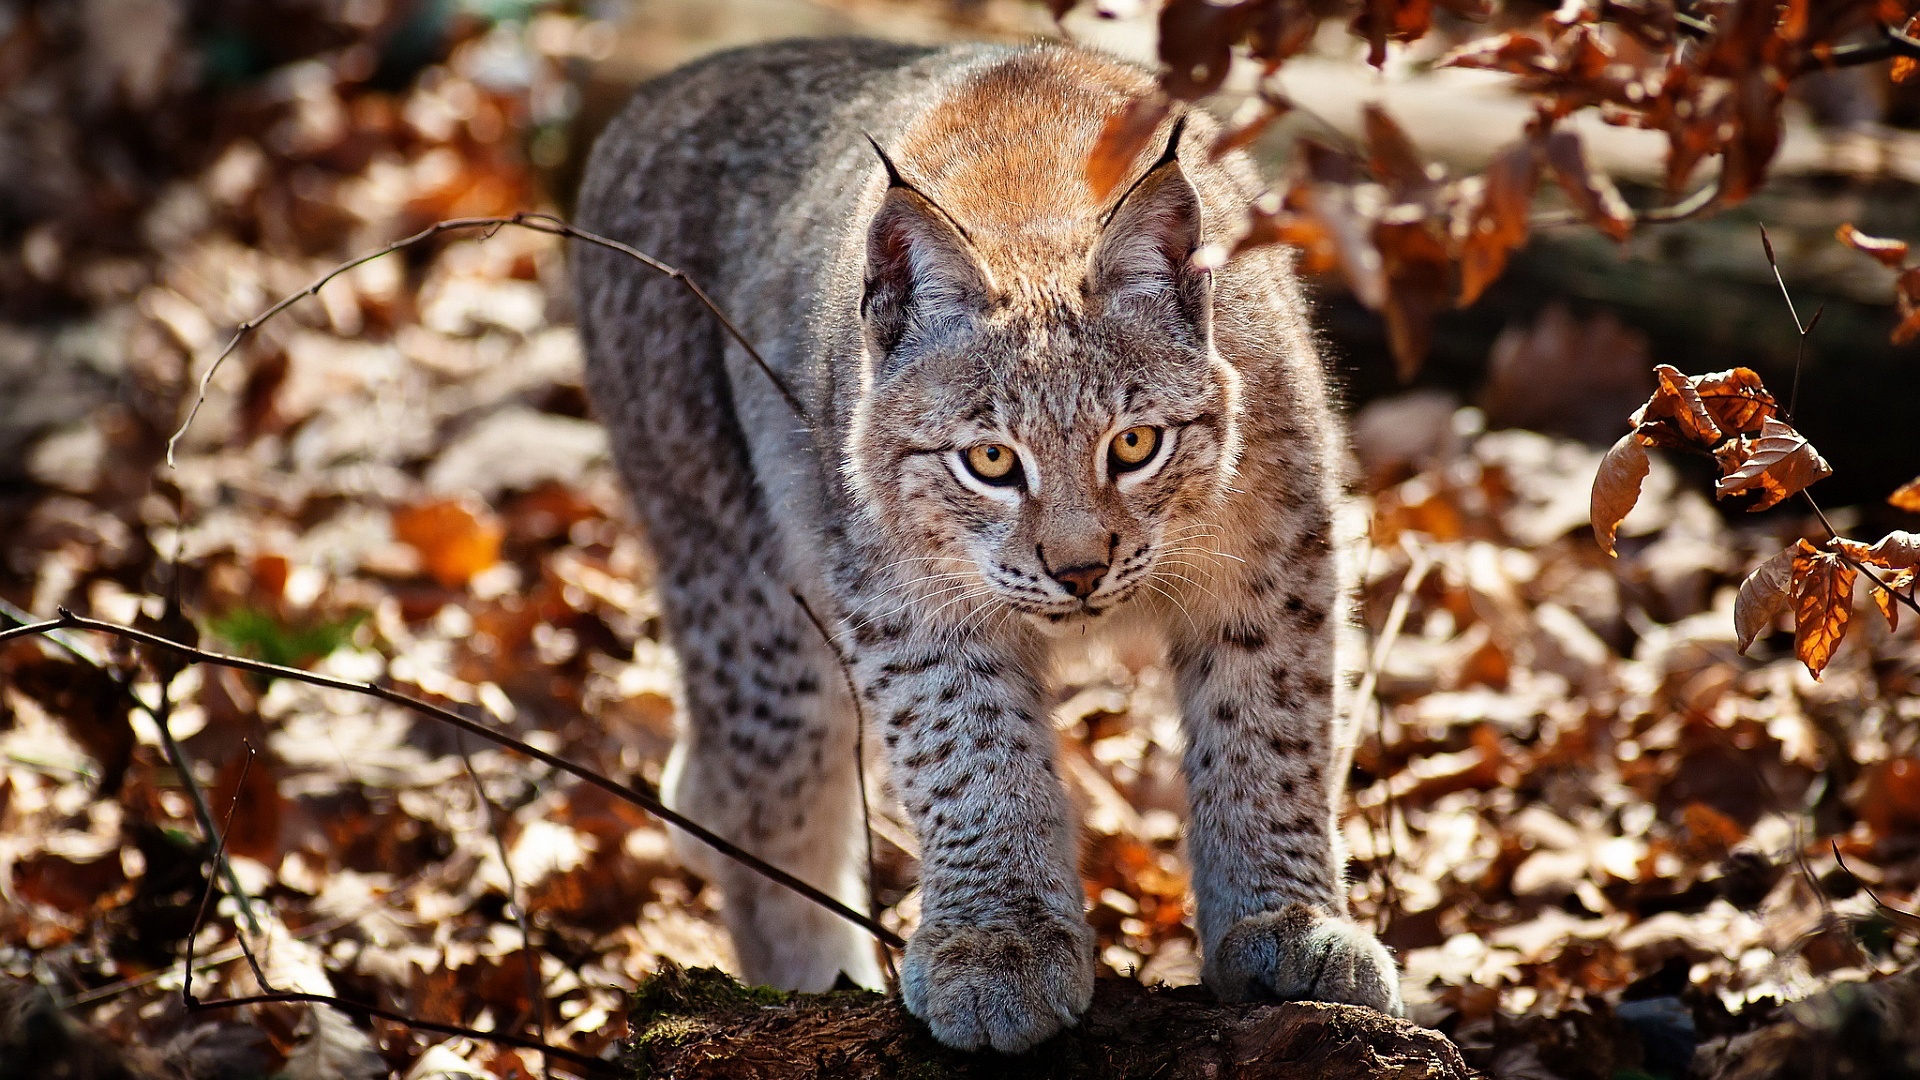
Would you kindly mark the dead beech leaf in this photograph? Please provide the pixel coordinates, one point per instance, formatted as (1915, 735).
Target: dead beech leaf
(1907, 496)
(1616, 487)
(1763, 596)
(1249, 123)
(1781, 463)
(1906, 301)
(454, 539)
(1898, 550)
(1594, 197)
(1499, 223)
(1125, 135)
(1899, 582)
(1196, 43)
(1891, 253)
(1822, 604)
(1418, 285)
(1391, 155)
(1736, 399)
(1674, 416)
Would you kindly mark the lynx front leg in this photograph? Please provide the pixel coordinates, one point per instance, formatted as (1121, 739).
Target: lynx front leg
(1256, 685)
(1003, 957)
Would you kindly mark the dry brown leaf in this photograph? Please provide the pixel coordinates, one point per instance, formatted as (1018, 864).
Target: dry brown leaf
(1822, 604)
(1907, 496)
(1391, 155)
(1898, 550)
(1781, 463)
(1499, 224)
(455, 540)
(1125, 135)
(1736, 399)
(1675, 417)
(1900, 582)
(1418, 284)
(1616, 487)
(1196, 43)
(1892, 253)
(1594, 197)
(1763, 596)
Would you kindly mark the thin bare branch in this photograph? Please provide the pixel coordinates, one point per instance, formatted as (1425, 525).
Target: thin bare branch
(645, 800)
(533, 221)
(859, 771)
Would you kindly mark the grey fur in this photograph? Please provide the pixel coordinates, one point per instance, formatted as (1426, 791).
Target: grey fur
(997, 308)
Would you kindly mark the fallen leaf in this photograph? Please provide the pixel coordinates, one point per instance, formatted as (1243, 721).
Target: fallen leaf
(1822, 604)
(455, 540)
(1781, 463)
(1763, 596)
(1616, 487)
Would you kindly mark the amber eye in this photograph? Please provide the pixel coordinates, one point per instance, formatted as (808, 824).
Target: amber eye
(994, 463)
(1134, 447)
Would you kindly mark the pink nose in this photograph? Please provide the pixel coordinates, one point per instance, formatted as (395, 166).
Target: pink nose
(1081, 580)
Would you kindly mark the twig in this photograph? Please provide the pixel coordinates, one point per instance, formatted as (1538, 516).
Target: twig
(859, 772)
(645, 800)
(183, 765)
(535, 222)
(519, 1042)
(1365, 696)
(1898, 917)
(206, 897)
(536, 989)
(1694, 205)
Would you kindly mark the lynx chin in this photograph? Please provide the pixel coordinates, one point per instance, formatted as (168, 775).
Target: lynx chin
(1028, 413)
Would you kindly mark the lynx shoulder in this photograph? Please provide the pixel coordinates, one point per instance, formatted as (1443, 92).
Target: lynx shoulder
(1025, 415)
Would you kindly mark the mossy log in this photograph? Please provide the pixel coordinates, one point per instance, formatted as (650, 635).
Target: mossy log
(692, 1025)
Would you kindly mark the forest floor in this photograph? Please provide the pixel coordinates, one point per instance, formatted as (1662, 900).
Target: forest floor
(1602, 842)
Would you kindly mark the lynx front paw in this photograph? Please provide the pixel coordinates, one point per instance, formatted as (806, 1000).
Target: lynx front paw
(1007, 989)
(1303, 954)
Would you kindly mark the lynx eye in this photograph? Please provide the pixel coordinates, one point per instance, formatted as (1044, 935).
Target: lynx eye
(993, 463)
(1133, 448)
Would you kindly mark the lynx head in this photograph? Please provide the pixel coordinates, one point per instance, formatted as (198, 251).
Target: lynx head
(1041, 422)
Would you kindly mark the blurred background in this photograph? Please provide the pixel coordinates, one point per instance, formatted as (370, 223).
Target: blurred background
(1574, 797)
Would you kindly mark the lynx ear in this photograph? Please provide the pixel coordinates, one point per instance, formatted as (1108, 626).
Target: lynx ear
(1143, 259)
(922, 278)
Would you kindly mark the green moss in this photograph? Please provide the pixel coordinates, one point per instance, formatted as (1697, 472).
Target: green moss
(678, 991)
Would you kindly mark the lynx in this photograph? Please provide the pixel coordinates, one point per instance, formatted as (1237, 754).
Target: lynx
(1024, 413)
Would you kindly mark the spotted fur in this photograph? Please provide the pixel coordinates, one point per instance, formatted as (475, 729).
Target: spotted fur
(971, 288)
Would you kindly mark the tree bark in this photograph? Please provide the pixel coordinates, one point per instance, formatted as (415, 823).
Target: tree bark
(690, 1025)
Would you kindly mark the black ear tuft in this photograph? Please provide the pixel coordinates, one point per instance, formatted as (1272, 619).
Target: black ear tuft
(894, 179)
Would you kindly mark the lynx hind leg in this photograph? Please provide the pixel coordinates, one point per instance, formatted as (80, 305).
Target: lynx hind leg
(766, 760)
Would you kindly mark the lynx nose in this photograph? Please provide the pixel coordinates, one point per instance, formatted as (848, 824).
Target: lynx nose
(1081, 580)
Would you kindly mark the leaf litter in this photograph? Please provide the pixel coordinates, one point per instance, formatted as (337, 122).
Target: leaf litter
(1598, 805)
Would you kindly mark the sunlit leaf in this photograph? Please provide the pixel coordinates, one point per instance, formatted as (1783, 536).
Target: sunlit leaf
(1891, 253)
(1499, 223)
(1763, 596)
(1781, 463)
(1822, 604)
(1616, 487)
(1907, 496)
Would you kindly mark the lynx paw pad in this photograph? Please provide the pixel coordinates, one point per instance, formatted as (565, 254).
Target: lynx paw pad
(1302, 954)
(1005, 989)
